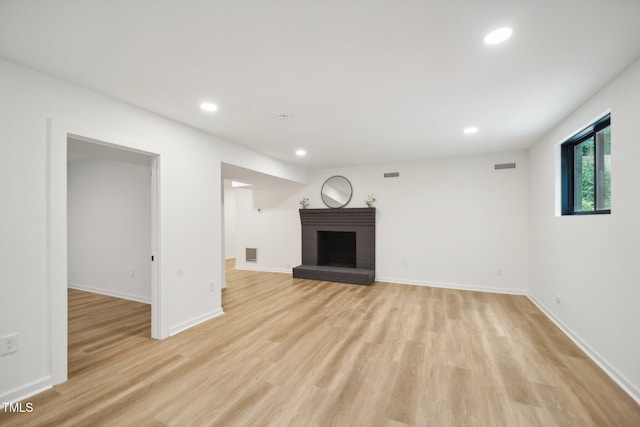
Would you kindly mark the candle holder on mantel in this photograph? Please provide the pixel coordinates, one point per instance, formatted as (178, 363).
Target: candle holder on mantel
(304, 203)
(370, 201)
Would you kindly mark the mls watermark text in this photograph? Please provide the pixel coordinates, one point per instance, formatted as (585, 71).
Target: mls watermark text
(19, 407)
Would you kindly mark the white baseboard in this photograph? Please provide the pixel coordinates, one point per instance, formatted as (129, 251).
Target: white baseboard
(110, 293)
(401, 281)
(195, 321)
(456, 286)
(27, 390)
(263, 269)
(628, 386)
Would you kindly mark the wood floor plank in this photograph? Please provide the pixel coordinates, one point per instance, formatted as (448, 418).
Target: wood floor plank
(291, 352)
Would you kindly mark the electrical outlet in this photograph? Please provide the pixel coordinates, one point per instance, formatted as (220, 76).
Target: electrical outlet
(212, 286)
(9, 344)
(498, 271)
(558, 300)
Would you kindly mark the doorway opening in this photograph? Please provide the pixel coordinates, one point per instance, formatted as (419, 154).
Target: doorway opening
(60, 132)
(248, 194)
(109, 244)
(110, 211)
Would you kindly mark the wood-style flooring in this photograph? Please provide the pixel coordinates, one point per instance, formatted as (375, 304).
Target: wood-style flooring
(291, 352)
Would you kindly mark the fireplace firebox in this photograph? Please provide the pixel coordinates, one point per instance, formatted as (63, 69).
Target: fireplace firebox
(337, 248)
(338, 245)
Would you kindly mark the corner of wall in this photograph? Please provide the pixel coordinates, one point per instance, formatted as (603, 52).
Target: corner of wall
(627, 385)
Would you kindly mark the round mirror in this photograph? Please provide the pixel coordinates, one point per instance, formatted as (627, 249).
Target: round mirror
(336, 191)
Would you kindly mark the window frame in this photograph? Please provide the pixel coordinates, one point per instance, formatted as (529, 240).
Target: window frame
(567, 167)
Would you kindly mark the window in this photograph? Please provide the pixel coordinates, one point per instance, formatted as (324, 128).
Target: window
(586, 170)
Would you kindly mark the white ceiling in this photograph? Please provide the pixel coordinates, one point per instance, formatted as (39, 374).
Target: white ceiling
(364, 81)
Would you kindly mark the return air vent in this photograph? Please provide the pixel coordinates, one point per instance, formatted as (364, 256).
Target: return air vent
(251, 255)
(392, 174)
(504, 166)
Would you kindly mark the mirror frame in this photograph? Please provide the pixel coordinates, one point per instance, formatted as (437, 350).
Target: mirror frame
(322, 192)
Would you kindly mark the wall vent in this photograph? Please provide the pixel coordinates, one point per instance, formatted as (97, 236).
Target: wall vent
(251, 255)
(392, 174)
(504, 166)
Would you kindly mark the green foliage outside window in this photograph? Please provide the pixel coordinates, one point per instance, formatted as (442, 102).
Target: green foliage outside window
(587, 177)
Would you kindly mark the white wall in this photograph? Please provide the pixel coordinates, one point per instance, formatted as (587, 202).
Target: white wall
(268, 219)
(33, 241)
(590, 261)
(230, 222)
(448, 222)
(109, 228)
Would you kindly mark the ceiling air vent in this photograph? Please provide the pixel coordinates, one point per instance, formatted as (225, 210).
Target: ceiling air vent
(251, 255)
(392, 174)
(504, 166)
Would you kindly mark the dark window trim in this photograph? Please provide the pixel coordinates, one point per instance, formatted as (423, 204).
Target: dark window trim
(567, 166)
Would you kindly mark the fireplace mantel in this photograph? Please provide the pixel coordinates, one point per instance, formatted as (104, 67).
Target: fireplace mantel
(361, 222)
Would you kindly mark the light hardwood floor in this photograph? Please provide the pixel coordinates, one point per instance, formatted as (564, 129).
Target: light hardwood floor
(304, 353)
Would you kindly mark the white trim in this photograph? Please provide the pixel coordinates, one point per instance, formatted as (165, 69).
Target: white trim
(58, 131)
(628, 386)
(263, 269)
(25, 391)
(456, 286)
(110, 293)
(223, 263)
(157, 331)
(195, 321)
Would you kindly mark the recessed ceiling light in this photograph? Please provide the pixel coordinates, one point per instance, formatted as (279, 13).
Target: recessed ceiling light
(301, 153)
(470, 130)
(236, 184)
(209, 107)
(498, 36)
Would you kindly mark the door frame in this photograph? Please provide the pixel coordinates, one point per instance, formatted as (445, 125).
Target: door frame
(56, 228)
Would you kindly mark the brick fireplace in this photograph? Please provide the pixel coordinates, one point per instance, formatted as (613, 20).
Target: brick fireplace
(338, 245)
